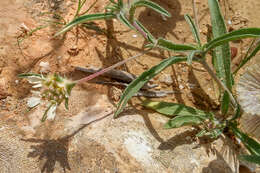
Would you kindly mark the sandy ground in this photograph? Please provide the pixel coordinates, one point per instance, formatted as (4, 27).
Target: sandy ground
(81, 47)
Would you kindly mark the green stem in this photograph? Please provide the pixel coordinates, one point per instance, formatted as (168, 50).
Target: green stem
(213, 75)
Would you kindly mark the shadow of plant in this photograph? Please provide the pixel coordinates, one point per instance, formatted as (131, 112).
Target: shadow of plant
(52, 151)
(177, 140)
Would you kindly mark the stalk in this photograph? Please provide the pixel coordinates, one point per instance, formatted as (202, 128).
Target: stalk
(213, 75)
(85, 79)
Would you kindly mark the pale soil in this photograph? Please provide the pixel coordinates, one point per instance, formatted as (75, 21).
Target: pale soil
(97, 50)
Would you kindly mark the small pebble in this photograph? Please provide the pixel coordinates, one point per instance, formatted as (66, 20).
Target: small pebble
(16, 81)
(167, 79)
(181, 86)
(134, 35)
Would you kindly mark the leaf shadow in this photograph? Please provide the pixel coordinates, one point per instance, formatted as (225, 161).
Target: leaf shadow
(177, 140)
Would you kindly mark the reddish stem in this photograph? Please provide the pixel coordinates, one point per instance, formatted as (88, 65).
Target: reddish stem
(92, 76)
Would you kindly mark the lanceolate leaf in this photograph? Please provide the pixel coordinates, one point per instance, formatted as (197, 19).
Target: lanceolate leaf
(234, 35)
(25, 75)
(149, 4)
(250, 143)
(222, 52)
(193, 28)
(174, 109)
(138, 83)
(168, 45)
(183, 120)
(85, 18)
(225, 103)
(251, 158)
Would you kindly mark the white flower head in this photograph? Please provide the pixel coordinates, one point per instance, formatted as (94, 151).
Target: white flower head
(52, 89)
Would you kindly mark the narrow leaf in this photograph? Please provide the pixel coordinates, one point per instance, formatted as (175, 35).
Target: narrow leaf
(194, 30)
(121, 17)
(67, 103)
(85, 18)
(251, 158)
(222, 52)
(174, 109)
(44, 117)
(25, 75)
(138, 83)
(120, 3)
(168, 45)
(231, 36)
(252, 145)
(183, 120)
(225, 103)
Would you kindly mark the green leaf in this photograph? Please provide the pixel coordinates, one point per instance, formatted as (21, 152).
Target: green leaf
(26, 75)
(174, 109)
(193, 27)
(183, 120)
(201, 133)
(44, 117)
(86, 18)
(138, 83)
(67, 103)
(149, 4)
(120, 3)
(168, 45)
(191, 55)
(222, 52)
(252, 145)
(251, 158)
(246, 59)
(121, 17)
(69, 87)
(150, 37)
(234, 35)
(225, 103)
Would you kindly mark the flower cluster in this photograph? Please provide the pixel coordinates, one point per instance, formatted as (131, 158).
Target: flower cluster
(52, 89)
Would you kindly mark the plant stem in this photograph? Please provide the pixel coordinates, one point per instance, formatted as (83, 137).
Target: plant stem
(213, 75)
(111, 67)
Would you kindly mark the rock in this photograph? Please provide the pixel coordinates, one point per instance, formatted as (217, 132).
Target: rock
(88, 138)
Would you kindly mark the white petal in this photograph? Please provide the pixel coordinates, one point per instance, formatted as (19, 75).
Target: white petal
(52, 112)
(39, 85)
(33, 101)
(34, 79)
(36, 93)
